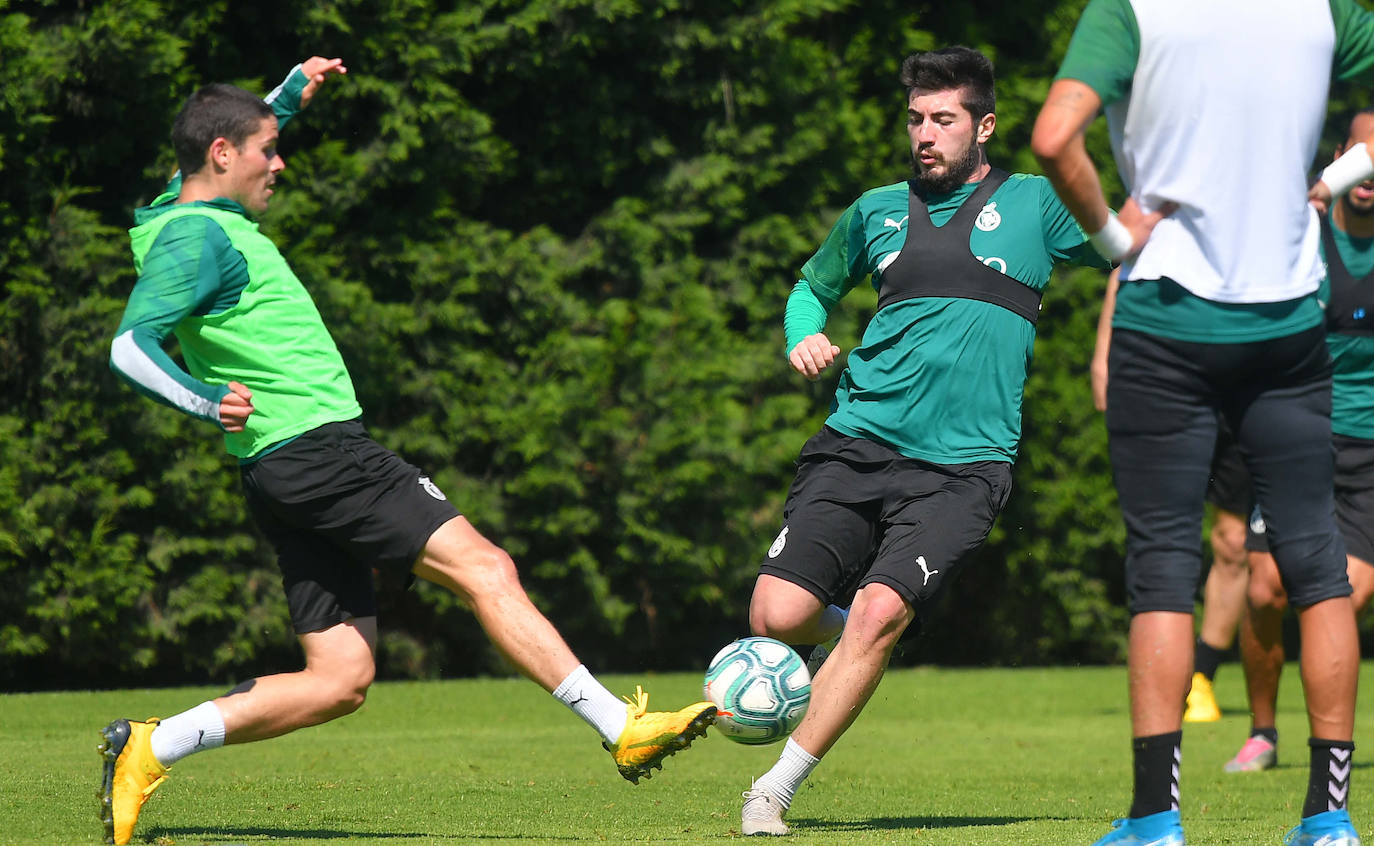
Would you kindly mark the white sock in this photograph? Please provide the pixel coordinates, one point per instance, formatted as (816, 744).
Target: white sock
(191, 731)
(832, 621)
(792, 768)
(591, 701)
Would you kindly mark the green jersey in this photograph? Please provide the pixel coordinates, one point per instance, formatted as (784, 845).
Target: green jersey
(938, 378)
(1352, 356)
(208, 276)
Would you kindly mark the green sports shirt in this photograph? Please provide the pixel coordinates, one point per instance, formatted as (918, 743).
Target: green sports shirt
(209, 277)
(939, 379)
(1352, 356)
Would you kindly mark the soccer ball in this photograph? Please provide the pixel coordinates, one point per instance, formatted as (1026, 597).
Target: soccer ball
(760, 687)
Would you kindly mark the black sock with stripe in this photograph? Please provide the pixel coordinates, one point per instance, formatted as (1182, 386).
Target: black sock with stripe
(1156, 773)
(1328, 779)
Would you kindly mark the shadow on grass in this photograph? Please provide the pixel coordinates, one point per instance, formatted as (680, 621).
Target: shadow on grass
(1293, 765)
(892, 823)
(247, 836)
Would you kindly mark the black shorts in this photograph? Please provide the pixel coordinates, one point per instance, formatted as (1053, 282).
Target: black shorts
(1354, 488)
(337, 506)
(1163, 399)
(1228, 488)
(861, 513)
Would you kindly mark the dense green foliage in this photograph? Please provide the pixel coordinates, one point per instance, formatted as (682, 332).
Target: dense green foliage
(553, 240)
(497, 761)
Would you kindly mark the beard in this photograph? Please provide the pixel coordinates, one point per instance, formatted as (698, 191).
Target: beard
(957, 171)
(1351, 209)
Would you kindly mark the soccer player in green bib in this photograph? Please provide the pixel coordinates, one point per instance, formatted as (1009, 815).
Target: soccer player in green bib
(335, 504)
(914, 463)
(1215, 110)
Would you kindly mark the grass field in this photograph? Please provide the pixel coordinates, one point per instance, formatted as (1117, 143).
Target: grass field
(1034, 756)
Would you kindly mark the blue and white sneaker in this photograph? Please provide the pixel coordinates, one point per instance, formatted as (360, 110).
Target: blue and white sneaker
(1161, 829)
(1330, 828)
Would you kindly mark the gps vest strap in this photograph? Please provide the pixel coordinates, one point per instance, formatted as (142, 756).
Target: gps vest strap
(935, 260)
(1351, 308)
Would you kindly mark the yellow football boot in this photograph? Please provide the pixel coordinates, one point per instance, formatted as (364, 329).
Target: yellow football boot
(131, 774)
(1202, 702)
(651, 736)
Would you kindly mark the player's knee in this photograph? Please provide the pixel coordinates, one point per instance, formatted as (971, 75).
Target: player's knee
(342, 688)
(1227, 552)
(1265, 591)
(878, 617)
(491, 572)
(775, 620)
(476, 573)
(778, 614)
(462, 560)
(1361, 575)
(1228, 545)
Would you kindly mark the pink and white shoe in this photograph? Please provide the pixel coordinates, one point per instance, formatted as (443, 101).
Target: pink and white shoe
(1257, 754)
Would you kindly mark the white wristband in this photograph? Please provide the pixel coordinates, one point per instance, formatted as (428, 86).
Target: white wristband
(1353, 167)
(1114, 240)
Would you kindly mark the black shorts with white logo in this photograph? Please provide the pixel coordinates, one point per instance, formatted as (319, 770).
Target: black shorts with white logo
(336, 506)
(861, 513)
(1354, 500)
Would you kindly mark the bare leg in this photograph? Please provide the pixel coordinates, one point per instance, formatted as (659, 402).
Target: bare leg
(1224, 593)
(1361, 575)
(338, 671)
(1160, 665)
(783, 610)
(1330, 667)
(1261, 639)
(851, 674)
(459, 558)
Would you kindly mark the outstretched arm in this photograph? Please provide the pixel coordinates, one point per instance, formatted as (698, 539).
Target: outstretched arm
(298, 89)
(287, 100)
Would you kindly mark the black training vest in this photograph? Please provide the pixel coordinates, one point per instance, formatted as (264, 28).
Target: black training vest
(935, 260)
(1351, 308)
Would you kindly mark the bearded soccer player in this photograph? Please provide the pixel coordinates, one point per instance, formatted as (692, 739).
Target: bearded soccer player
(1215, 110)
(914, 463)
(334, 503)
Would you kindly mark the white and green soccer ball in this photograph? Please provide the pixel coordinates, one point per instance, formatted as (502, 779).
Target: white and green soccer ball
(760, 688)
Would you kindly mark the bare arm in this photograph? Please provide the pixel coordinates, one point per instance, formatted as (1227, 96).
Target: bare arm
(1057, 141)
(1098, 369)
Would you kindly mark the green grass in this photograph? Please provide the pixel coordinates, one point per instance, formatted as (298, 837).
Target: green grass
(1035, 756)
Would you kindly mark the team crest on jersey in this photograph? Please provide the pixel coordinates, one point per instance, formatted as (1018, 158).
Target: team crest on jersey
(776, 549)
(431, 488)
(989, 218)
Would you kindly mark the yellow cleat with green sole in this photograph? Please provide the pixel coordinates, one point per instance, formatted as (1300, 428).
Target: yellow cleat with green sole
(651, 736)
